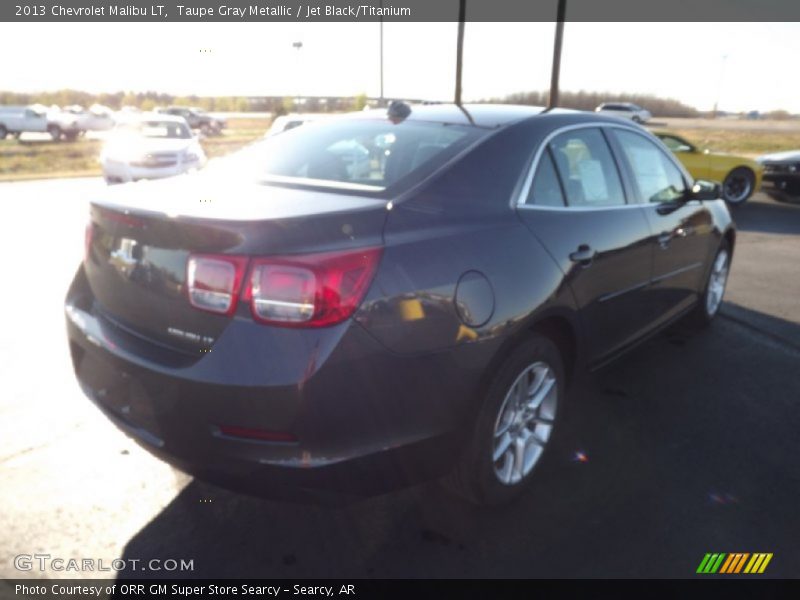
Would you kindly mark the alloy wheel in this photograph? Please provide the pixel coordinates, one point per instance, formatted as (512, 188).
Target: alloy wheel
(737, 188)
(524, 423)
(716, 283)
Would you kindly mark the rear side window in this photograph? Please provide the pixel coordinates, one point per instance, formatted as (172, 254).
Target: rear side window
(546, 189)
(587, 169)
(656, 177)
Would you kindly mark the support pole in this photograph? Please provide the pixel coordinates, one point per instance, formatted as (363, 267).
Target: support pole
(462, 11)
(552, 101)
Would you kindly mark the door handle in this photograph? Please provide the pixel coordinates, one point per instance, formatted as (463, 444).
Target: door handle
(664, 239)
(584, 255)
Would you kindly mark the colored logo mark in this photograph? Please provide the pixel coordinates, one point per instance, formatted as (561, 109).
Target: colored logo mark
(733, 563)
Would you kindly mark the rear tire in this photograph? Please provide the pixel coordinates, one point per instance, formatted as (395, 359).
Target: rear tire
(738, 186)
(54, 131)
(710, 301)
(515, 425)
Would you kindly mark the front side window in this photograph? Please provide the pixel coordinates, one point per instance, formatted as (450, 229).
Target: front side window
(587, 169)
(656, 177)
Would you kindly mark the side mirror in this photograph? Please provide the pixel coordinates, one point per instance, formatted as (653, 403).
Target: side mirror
(705, 190)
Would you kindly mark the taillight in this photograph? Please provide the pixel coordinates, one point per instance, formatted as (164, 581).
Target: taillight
(314, 290)
(214, 281)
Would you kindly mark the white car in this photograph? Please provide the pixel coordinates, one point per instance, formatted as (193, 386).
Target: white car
(150, 146)
(16, 120)
(288, 122)
(625, 110)
(96, 118)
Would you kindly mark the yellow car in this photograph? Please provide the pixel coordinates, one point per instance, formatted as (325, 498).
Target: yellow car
(740, 177)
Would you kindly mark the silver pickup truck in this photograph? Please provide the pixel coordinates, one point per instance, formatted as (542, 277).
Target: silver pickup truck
(16, 120)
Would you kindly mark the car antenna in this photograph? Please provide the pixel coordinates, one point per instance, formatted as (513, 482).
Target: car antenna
(398, 111)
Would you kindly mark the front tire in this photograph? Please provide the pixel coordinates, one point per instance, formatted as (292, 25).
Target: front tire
(738, 186)
(3, 132)
(515, 425)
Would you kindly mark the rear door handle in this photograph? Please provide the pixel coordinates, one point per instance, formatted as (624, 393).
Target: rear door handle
(664, 239)
(584, 255)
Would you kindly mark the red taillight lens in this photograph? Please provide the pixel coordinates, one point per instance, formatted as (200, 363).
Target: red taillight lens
(283, 293)
(214, 281)
(314, 290)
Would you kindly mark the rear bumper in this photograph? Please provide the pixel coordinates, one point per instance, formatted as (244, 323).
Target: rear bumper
(364, 420)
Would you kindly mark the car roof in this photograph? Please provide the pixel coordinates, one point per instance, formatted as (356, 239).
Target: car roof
(483, 116)
(488, 116)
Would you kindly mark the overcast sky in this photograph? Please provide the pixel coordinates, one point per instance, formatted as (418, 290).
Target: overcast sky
(748, 65)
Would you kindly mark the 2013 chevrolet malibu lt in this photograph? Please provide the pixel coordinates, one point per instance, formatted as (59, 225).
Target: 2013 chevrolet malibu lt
(307, 316)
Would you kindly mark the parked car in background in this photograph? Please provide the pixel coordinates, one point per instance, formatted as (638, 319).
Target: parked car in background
(740, 176)
(150, 146)
(625, 110)
(197, 119)
(287, 122)
(320, 327)
(36, 118)
(95, 118)
(782, 170)
(16, 120)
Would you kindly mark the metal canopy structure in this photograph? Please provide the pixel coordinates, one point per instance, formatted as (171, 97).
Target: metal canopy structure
(556, 69)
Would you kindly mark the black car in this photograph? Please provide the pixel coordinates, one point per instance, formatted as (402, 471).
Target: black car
(782, 170)
(197, 119)
(317, 327)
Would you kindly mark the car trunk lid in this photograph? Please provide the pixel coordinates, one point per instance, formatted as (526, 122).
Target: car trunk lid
(142, 236)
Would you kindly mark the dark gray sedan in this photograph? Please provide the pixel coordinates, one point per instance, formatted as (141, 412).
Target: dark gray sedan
(284, 321)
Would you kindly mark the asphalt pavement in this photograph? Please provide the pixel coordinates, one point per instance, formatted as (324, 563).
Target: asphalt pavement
(688, 445)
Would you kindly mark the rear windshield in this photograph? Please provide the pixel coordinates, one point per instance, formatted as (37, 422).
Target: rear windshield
(368, 155)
